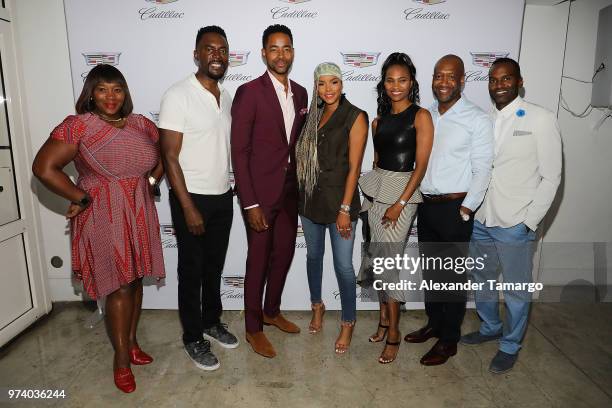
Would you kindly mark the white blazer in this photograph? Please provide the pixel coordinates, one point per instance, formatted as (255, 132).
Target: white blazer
(526, 170)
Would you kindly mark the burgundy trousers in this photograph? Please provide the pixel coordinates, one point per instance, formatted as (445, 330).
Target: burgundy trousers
(269, 258)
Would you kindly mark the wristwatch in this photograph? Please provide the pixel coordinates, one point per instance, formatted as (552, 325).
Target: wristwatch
(83, 202)
(403, 203)
(154, 183)
(465, 217)
(345, 207)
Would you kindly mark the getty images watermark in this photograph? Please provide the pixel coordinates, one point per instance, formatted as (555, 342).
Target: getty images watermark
(447, 271)
(543, 272)
(402, 264)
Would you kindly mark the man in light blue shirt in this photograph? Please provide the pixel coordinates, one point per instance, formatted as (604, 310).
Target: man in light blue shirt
(462, 153)
(453, 188)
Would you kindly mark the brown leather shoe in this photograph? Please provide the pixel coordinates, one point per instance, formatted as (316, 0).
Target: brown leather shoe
(439, 353)
(282, 323)
(260, 344)
(421, 335)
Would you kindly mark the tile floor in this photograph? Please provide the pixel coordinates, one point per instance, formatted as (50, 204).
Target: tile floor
(566, 362)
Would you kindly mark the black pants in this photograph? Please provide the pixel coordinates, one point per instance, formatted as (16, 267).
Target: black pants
(443, 234)
(200, 262)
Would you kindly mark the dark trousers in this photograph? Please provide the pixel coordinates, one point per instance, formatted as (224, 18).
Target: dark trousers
(200, 262)
(269, 258)
(443, 234)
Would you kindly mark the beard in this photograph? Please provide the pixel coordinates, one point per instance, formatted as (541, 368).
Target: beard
(282, 70)
(216, 74)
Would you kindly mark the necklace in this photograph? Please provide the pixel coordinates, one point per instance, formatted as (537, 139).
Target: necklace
(109, 120)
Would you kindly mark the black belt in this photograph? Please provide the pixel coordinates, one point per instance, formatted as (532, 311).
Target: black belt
(443, 197)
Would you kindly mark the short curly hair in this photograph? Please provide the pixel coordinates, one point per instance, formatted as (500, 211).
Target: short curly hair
(209, 29)
(275, 28)
(509, 61)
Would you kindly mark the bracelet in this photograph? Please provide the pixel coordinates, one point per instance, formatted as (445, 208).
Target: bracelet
(344, 212)
(345, 207)
(402, 203)
(83, 202)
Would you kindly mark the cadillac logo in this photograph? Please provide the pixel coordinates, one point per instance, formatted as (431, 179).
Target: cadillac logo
(418, 13)
(429, 2)
(485, 59)
(360, 59)
(148, 13)
(167, 229)
(235, 281)
(96, 58)
(154, 117)
(237, 58)
(168, 236)
(232, 181)
(291, 12)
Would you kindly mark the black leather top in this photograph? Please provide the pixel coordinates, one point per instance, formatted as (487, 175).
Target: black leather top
(395, 140)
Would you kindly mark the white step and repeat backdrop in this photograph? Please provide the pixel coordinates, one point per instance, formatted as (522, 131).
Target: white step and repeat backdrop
(152, 42)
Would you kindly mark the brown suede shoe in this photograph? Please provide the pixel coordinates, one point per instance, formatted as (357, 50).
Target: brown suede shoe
(421, 335)
(282, 323)
(260, 344)
(439, 353)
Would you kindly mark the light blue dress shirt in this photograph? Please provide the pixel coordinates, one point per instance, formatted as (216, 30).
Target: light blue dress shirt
(462, 153)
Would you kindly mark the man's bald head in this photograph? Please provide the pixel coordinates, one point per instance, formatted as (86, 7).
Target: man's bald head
(453, 60)
(448, 80)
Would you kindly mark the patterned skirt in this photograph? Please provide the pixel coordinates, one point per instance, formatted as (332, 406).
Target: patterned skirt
(382, 189)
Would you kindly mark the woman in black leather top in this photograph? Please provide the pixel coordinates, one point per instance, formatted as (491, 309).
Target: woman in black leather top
(403, 137)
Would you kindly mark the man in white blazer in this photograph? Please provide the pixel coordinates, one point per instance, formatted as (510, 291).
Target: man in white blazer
(525, 176)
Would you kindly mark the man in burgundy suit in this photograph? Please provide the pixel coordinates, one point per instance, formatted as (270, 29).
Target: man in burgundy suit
(267, 116)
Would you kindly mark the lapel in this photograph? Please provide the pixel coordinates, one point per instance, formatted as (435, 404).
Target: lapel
(272, 97)
(511, 129)
(296, 118)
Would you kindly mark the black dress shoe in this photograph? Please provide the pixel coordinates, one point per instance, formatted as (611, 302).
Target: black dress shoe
(439, 353)
(421, 335)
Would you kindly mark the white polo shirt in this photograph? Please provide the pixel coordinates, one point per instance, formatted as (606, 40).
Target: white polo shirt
(189, 108)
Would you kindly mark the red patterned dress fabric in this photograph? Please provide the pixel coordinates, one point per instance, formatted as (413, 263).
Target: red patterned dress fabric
(116, 239)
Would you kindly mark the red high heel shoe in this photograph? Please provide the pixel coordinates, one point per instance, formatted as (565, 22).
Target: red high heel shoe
(139, 357)
(124, 379)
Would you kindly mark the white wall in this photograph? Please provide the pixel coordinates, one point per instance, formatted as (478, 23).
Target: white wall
(582, 213)
(42, 46)
(543, 39)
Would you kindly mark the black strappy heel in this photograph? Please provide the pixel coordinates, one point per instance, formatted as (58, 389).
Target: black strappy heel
(382, 336)
(390, 343)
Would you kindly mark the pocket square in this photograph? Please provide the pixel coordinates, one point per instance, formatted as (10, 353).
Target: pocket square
(521, 133)
(303, 111)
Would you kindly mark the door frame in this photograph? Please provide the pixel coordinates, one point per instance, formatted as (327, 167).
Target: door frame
(29, 225)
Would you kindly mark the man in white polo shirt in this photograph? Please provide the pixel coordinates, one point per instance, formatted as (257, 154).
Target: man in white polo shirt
(195, 122)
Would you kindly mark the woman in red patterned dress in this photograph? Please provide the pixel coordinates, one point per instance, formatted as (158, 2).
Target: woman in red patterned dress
(114, 226)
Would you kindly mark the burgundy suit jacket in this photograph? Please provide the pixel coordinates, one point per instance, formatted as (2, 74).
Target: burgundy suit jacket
(260, 150)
